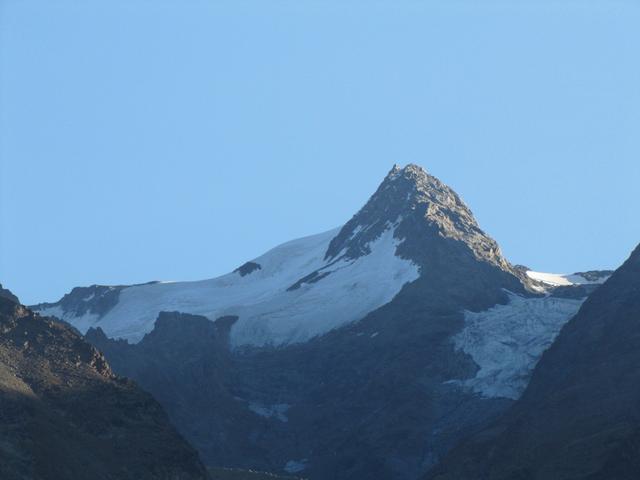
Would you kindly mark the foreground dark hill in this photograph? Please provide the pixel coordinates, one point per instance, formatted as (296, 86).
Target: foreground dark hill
(580, 416)
(65, 415)
(278, 384)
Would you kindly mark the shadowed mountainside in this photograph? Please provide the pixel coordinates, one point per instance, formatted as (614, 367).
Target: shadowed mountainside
(64, 414)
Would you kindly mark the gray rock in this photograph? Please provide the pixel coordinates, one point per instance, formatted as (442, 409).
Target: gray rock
(247, 268)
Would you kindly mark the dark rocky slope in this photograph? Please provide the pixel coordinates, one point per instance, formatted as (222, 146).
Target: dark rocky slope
(351, 404)
(65, 415)
(580, 415)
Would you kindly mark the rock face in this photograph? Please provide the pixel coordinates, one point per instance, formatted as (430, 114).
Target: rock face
(64, 414)
(423, 208)
(579, 418)
(186, 364)
(247, 268)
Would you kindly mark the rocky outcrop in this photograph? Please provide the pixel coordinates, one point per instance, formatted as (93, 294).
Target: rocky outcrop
(580, 415)
(96, 299)
(247, 268)
(5, 293)
(64, 414)
(595, 275)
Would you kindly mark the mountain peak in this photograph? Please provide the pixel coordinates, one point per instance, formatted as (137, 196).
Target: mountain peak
(411, 173)
(414, 183)
(422, 210)
(409, 167)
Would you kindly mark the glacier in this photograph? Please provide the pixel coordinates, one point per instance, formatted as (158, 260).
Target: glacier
(506, 341)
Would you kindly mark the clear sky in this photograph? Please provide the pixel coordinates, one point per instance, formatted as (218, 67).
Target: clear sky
(174, 140)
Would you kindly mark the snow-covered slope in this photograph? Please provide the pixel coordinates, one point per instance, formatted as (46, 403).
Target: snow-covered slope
(291, 294)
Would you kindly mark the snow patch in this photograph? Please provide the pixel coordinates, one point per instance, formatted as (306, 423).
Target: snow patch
(295, 466)
(563, 279)
(507, 341)
(553, 279)
(277, 411)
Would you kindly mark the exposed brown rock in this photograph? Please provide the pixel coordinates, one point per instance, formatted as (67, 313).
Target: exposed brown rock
(65, 415)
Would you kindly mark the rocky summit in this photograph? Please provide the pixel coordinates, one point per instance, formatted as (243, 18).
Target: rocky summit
(421, 208)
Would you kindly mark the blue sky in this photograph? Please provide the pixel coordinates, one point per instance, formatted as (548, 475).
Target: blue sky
(158, 139)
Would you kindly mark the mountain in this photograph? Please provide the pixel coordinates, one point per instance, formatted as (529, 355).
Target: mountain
(307, 287)
(579, 418)
(64, 414)
(364, 352)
